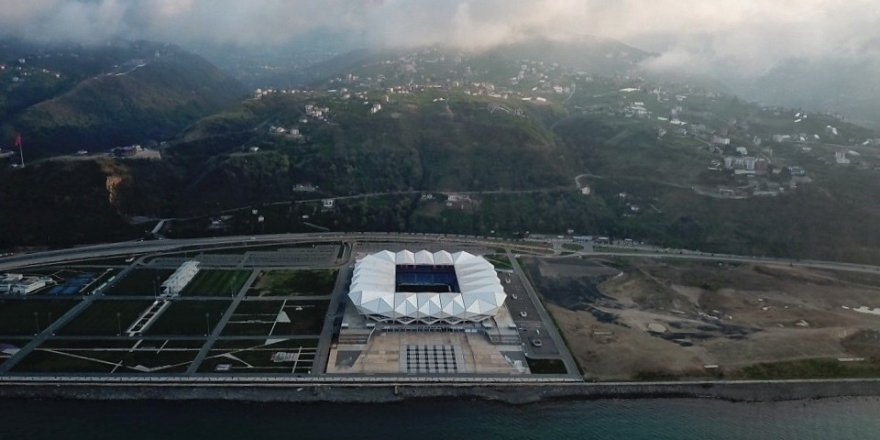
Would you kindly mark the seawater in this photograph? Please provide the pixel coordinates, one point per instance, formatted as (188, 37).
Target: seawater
(680, 419)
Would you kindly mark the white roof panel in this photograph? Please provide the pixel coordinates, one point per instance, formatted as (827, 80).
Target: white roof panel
(373, 288)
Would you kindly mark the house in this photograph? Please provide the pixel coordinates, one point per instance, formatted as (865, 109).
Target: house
(840, 158)
(718, 140)
(797, 171)
(328, 203)
(18, 284)
(376, 108)
(780, 138)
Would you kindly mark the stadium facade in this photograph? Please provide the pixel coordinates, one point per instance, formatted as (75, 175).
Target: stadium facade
(425, 287)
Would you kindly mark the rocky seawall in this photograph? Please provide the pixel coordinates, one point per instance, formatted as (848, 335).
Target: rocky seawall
(512, 394)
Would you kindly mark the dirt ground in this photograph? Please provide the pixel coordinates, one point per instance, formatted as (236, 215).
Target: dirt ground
(643, 318)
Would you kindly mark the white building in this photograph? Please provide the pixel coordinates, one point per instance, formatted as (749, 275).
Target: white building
(425, 287)
(180, 278)
(18, 284)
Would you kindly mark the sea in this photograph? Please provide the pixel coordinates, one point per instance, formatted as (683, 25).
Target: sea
(680, 419)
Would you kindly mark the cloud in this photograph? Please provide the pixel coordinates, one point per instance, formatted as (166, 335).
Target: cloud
(750, 36)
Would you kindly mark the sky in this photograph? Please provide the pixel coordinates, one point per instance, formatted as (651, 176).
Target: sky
(750, 36)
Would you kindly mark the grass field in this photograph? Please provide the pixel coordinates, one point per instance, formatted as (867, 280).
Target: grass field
(500, 261)
(185, 317)
(216, 283)
(140, 282)
(99, 319)
(21, 317)
(98, 358)
(294, 283)
(254, 356)
(42, 361)
(282, 317)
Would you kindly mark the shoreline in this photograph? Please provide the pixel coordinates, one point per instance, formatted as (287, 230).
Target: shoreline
(515, 394)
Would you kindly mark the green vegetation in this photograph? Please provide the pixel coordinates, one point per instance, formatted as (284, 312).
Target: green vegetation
(518, 164)
(153, 98)
(216, 283)
(295, 283)
(189, 317)
(546, 366)
(277, 318)
(810, 369)
(500, 261)
(100, 318)
(22, 317)
(140, 282)
(101, 359)
(42, 361)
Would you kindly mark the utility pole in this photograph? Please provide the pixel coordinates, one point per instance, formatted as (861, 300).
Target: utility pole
(20, 148)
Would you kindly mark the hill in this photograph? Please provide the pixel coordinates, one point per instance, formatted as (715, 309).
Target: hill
(485, 145)
(67, 98)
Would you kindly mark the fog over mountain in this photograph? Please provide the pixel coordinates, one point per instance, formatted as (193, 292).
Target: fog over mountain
(739, 42)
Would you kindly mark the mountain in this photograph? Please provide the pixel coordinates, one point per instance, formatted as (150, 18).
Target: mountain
(428, 140)
(593, 55)
(840, 85)
(65, 98)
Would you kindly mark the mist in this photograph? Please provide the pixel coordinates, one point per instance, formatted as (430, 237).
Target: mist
(750, 37)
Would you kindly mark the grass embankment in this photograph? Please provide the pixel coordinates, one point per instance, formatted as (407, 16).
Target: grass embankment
(810, 369)
(500, 261)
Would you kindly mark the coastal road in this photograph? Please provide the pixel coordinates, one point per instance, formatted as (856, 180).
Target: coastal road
(550, 329)
(140, 247)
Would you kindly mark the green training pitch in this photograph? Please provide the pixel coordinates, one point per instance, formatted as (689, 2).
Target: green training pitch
(189, 317)
(24, 317)
(294, 283)
(216, 283)
(140, 282)
(105, 318)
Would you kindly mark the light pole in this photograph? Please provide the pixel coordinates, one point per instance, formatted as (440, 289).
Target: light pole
(207, 323)
(118, 325)
(36, 324)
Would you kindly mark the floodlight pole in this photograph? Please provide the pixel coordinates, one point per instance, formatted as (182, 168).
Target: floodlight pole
(207, 323)
(36, 324)
(118, 325)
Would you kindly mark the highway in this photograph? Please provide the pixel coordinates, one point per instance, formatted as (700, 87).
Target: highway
(140, 247)
(550, 329)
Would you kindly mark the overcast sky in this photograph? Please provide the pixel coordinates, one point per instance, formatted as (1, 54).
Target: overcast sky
(751, 35)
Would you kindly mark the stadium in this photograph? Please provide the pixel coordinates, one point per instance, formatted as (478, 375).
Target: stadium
(427, 288)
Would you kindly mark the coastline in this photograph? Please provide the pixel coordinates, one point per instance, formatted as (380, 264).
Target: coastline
(516, 394)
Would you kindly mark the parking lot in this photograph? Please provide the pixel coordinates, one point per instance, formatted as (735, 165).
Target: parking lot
(531, 326)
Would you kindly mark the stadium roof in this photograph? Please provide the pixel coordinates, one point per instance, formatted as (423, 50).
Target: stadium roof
(373, 289)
